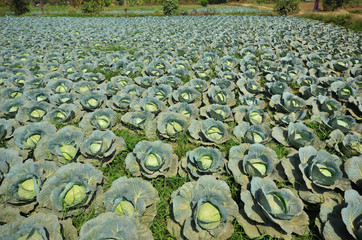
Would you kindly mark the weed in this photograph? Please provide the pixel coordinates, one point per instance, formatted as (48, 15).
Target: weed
(321, 130)
(281, 151)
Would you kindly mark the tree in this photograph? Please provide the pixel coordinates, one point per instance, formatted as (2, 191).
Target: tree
(19, 7)
(92, 6)
(316, 6)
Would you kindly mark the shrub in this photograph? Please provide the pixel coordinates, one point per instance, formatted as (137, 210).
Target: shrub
(170, 7)
(92, 6)
(331, 5)
(107, 3)
(19, 6)
(204, 3)
(285, 7)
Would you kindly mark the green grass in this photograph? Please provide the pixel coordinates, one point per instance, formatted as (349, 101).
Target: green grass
(281, 151)
(165, 187)
(344, 19)
(3, 143)
(320, 130)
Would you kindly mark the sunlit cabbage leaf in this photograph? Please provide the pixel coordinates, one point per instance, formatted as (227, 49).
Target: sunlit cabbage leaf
(111, 226)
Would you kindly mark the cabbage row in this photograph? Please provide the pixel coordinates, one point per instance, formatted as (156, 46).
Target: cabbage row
(259, 85)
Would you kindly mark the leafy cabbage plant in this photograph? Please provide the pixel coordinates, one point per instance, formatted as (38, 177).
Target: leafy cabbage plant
(101, 147)
(71, 189)
(152, 159)
(190, 111)
(251, 114)
(8, 158)
(272, 211)
(132, 197)
(63, 147)
(167, 125)
(290, 108)
(92, 100)
(252, 160)
(209, 131)
(23, 182)
(202, 210)
(120, 102)
(245, 132)
(33, 111)
(186, 94)
(148, 104)
(217, 112)
(28, 136)
(297, 135)
(137, 120)
(351, 215)
(348, 145)
(100, 119)
(341, 219)
(203, 161)
(315, 174)
(216, 95)
(65, 113)
(37, 226)
(111, 226)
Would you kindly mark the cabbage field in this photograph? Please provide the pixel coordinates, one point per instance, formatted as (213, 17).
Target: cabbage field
(205, 127)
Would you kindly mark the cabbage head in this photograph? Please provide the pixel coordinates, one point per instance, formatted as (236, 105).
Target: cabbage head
(65, 113)
(202, 210)
(100, 119)
(33, 111)
(203, 161)
(23, 182)
(217, 112)
(137, 120)
(209, 131)
(186, 94)
(132, 197)
(290, 108)
(92, 100)
(252, 133)
(216, 95)
(148, 104)
(101, 147)
(297, 135)
(71, 189)
(252, 160)
(167, 125)
(190, 111)
(348, 145)
(272, 211)
(62, 147)
(28, 136)
(152, 159)
(315, 174)
(120, 102)
(251, 114)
